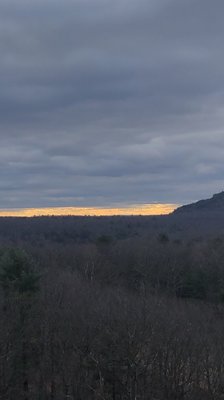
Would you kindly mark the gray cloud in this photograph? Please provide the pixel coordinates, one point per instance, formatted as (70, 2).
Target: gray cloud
(110, 102)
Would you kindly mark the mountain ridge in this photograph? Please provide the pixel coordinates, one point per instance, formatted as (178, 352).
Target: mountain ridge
(215, 203)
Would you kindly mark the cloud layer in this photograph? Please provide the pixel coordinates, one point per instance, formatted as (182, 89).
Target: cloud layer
(108, 103)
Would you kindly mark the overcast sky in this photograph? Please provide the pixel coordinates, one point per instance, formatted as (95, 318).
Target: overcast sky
(110, 102)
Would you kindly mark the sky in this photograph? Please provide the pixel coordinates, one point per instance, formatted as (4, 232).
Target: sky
(134, 209)
(110, 103)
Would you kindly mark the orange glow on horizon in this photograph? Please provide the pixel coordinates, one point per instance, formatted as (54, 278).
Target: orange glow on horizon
(142, 209)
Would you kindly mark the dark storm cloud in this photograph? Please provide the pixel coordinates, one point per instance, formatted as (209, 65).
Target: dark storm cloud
(110, 102)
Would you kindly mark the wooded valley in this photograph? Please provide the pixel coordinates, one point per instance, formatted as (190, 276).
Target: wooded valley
(119, 308)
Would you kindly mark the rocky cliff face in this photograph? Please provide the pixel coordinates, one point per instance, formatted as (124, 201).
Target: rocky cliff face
(216, 203)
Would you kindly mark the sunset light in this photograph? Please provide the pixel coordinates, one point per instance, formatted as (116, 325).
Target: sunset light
(137, 209)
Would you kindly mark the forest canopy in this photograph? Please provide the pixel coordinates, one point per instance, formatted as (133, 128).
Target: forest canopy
(111, 308)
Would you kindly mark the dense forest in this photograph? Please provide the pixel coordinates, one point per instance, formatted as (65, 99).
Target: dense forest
(117, 308)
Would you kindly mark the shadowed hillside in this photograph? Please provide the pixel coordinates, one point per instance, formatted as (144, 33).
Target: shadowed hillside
(215, 203)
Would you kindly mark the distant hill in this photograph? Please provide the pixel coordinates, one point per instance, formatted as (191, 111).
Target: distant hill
(214, 204)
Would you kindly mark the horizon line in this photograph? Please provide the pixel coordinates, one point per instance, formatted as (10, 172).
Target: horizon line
(135, 209)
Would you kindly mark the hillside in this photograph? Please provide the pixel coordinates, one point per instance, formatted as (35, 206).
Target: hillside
(214, 204)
